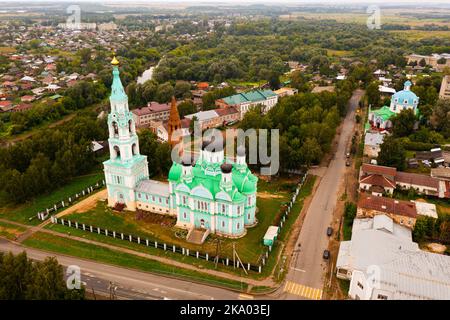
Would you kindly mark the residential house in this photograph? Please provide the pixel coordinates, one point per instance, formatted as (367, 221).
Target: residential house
(380, 179)
(402, 212)
(27, 98)
(435, 155)
(372, 143)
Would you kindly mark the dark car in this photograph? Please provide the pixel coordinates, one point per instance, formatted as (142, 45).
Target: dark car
(329, 231)
(326, 254)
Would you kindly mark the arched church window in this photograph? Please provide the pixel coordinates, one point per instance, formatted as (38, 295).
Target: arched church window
(130, 126)
(117, 152)
(134, 149)
(115, 128)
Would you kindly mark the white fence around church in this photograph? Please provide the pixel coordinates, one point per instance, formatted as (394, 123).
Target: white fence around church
(66, 202)
(225, 261)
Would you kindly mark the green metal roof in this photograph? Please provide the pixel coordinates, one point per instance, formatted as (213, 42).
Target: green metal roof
(384, 113)
(250, 96)
(243, 182)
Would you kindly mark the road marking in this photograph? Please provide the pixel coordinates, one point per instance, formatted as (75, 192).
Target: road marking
(245, 297)
(299, 270)
(303, 291)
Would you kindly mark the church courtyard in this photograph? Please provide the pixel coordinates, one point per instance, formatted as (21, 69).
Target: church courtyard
(162, 228)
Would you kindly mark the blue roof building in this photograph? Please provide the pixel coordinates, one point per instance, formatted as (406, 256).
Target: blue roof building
(404, 99)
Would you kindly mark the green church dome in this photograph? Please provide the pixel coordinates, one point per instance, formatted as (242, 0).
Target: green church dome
(175, 172)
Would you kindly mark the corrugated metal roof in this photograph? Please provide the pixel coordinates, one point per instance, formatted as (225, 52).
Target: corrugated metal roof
(153, 187)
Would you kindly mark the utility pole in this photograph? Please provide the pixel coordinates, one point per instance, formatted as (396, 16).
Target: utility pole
(234, 255)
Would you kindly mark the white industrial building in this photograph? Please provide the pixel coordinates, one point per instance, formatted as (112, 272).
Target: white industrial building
(383, 263)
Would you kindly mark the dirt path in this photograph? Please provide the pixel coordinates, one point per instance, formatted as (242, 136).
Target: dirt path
(82, 206)
(267, 195)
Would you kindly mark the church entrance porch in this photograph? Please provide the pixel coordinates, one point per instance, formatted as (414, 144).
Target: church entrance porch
(197, 236)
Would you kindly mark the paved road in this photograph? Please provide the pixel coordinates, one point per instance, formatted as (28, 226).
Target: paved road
(305, 276)
(131, 284)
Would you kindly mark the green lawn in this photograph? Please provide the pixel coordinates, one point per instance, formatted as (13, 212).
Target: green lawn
(249, 247)
(23, 212)
(9, 230)
(79, 249)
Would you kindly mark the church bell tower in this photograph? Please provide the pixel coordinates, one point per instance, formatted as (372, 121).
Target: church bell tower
(126, 166)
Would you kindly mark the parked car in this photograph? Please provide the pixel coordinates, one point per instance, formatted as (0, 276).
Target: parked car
(348, 155)
(347, 163)
(329, 231)
(326, 254)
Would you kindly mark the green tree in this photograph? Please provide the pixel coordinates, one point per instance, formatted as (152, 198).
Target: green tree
(164, 92)
(403, 123)
(392, 153)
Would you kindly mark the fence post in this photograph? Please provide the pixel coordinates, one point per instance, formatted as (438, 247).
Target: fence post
(114, 234)
(106, 232)
(259, 269)
(92, 229)
(196, 254)
(248, 266)
(165, 247)
(156, 245)
(84, 227)
(227, 261)
(47, 210)
(130, 238)
(76, 224)
(70, 199)
(62, 221)
(173, 248)
(98, 230)
(55, 207)
(146, 242)
(270, 248)
(187, 252)
(121, 235)
(139, 240)
(182, 250)
(206, 257)
(62, 203)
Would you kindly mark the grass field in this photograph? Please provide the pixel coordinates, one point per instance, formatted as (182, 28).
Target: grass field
(79, 249)
(23, 212)
(411, 17)
(10, 231)
(414, 35)
(339, 53)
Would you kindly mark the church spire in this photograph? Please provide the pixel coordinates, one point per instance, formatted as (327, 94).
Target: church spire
(174, 123)
(117, 90)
